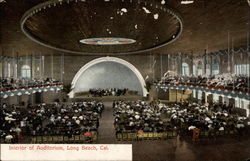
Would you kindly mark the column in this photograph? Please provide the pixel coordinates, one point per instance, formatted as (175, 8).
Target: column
(168, 63)
(161, 67)
(17, 65)
(206, 94)
(2, 60)
(192, 65)
(52, 66)
(43, 57)
(62, 67)
(211, 65)
(180, 66)
(40, 66)
(205, 63)
(31, 67)
(228, 54)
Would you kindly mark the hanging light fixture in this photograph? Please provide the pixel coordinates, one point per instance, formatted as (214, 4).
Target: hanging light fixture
(187, 1)
(27, 92)
(5, 96)
(237, 98)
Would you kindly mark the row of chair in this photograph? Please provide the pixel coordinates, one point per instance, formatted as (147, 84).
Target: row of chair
(145, 136)
(2, 140)
(64, 139)
(207, 134)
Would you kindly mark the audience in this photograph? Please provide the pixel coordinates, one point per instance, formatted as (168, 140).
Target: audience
(229, 82)
(213, 118)
(181, 117)
(68, 119)
(49, 119)
(7, 84)
(132, 116)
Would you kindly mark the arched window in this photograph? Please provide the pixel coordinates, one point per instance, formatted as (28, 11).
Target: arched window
(25, 71)
(239, 103)
(215, 67)
(199, 95)
(208, 71)
(185, 69)
(1, 69)
(194, 70)
(199, 70)
(9, 70)
(241, 69)
(216, 98)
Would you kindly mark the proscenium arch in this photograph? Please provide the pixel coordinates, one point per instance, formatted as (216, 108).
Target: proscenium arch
(109, 59)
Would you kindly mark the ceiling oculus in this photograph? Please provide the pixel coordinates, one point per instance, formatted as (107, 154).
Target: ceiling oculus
(137, 25)
(107, 41)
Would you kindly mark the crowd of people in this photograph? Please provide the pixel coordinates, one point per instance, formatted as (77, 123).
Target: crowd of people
(180, 117)
(7, 84)
(227, 81)
(108, 92)
(66, 119)
(76, 118)
(132, 116)
(211, 118)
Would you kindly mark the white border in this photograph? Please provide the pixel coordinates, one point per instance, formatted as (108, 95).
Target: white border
(66, 152)
(108, 59)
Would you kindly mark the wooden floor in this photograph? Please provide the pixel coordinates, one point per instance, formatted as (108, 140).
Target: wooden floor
(222, 149)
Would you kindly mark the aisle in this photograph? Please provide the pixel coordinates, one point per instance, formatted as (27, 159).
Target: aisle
(106, 129)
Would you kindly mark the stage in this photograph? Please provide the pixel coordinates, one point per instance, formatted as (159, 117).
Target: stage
(109, 98)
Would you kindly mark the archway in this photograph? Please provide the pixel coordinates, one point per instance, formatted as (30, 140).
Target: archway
(185, 69)
(106, 61)
(199, 68)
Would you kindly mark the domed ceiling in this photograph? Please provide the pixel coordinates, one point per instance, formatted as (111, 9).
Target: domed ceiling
(210, 25)
(102, 26)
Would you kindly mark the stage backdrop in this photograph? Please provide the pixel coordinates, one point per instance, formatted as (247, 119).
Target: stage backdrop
(108, 75)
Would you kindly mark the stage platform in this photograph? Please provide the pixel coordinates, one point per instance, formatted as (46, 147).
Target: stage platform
(109, 98)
